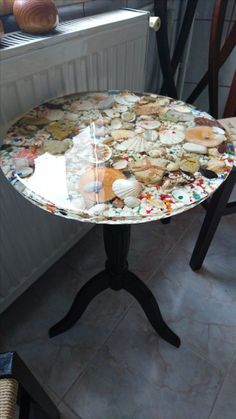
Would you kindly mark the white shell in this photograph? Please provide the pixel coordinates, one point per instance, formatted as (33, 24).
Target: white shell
(137, 144)
(25, 172)
(126, 187)
(120, 164)
(170, 137)
(146, 124)
(106, 103)
(132, 202)
(218, 130)
(116, 123)
(131, 98)
(150, 135)
(181, 195)
(195, 148)
(78, 203)
(54, 114)
(111, 113)
(97, 209)
(128, 116)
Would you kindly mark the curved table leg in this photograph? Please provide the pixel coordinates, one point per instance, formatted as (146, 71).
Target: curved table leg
(93, 287)
(146, 299)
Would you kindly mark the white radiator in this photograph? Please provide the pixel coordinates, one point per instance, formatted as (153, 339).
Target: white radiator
(95, 53)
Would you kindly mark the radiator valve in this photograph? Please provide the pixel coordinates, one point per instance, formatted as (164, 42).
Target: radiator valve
(155, 23)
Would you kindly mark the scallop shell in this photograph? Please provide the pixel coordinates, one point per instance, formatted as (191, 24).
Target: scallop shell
(120, 164)
(137, 144)
(181, 195)
(131, 202)
(146, 124)
(124, 188)
(170, 137)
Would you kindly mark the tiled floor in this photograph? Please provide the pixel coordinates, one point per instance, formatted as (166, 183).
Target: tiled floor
(112, 365)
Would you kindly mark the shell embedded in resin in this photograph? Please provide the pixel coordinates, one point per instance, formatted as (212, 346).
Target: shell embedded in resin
(113, 156)
(124, 188)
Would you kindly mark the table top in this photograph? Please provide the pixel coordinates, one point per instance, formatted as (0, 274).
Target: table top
(116, 157)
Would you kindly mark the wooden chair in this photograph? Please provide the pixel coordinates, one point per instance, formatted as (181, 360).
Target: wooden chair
(19, 386)
(218, 205)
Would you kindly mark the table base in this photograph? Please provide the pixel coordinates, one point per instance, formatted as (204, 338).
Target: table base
(117, 276)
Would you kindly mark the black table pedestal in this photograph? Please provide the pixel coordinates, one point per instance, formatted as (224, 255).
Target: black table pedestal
(117, 276)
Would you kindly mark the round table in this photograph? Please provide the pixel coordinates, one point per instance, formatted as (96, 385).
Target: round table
(116, 158)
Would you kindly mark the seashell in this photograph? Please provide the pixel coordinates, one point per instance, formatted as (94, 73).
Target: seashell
(120, 164)
(216, 166)
(195, 148)
(131, 202)
(181, 195)
(201, 120)
(121, 108)
(189, 165)
(97, 209)
(137, 144)
(35, 16)
(128, 116)
(150, 176)
(131, 98)
(25, 171)
(111, 113)
(150, 135)
(176, 115)
(55, 114)
(204, 136)
(116, 123)
(56, 147)
(146, 124)
(70, 116)
(218, 130)
(106, 103)
(121, 100)
(94, 186)
(122, 134)
(126, 187)
(157, 152)
(177, 178)
(79, 203)
(149, 109)
(170, 137)
(209, 174)
(172, 166)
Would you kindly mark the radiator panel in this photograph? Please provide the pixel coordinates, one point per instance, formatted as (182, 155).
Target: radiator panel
(112, 57)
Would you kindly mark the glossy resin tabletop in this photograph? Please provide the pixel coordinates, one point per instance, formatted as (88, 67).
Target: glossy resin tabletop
(116, 157)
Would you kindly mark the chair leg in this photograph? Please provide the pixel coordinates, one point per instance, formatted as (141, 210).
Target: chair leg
(214, 213)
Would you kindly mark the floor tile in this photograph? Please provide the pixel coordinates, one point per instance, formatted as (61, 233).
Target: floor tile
(57, 362)
(66, 412)
(136, 375)
(225, 406)
(200, 306)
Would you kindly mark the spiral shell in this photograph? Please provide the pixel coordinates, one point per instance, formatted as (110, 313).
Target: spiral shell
(124, 188)
(36, 16)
